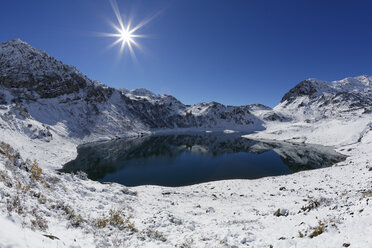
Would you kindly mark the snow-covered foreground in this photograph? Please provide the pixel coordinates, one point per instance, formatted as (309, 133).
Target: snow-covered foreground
(321, 208)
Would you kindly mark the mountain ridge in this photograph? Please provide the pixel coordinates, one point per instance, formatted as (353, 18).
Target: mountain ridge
(38, 88)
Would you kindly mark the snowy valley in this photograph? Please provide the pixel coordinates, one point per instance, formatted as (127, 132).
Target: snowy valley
(48, 108)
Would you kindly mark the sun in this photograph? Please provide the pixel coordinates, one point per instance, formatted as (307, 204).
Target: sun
(125, 35)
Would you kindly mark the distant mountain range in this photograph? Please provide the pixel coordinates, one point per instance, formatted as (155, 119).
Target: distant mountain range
(42, 97)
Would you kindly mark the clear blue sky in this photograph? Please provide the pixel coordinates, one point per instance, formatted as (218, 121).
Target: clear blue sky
(235, 52)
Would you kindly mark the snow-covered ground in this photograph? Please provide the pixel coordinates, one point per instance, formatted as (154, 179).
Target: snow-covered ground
(217, 214)
(332, 202)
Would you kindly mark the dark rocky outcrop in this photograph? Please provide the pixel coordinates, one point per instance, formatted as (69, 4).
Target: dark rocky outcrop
(304, 88)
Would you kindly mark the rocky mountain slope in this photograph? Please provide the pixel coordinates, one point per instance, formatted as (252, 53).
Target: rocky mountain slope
(315, 99)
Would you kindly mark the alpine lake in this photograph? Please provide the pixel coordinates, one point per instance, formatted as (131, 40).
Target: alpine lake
(190, 158)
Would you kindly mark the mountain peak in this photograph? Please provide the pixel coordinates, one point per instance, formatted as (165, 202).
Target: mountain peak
(23, 66)
(16, 41)
(18, 46)
(17, 51)
(314, 87)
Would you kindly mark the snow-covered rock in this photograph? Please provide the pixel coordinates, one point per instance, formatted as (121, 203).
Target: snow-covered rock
(313, 99)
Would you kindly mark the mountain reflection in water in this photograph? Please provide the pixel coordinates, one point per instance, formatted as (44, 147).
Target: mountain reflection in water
(185, 159)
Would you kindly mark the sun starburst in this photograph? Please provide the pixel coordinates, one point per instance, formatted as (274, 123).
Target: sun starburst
(125, 34)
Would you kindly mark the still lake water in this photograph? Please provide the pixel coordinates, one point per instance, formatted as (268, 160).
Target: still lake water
(185, 159)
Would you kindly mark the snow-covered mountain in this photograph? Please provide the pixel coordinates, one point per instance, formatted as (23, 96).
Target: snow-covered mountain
(41, 96)
(313, 99)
